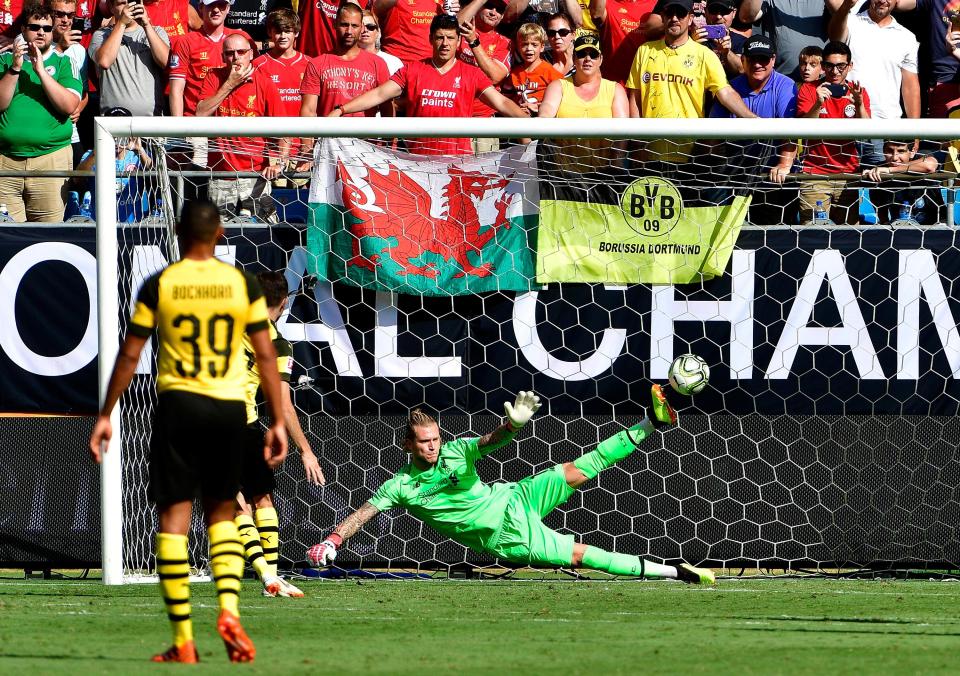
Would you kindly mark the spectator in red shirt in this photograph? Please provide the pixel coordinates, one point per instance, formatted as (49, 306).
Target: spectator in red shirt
(175, 17)
(482, 46)
(624, 26)
(9, 11)
(833, 98)
(284, 64)
(240, 90)
(191, 57)
(340, 76)
(441, 86)
(318, 20)
(406, 25)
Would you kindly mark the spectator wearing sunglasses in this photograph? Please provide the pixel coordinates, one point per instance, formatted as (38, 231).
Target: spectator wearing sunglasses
(624, 25)
(729, 46)
(585, 95)
(671, 77)
(237, 89)
(370, 41)
(561, 32)
(39, 90)
(482, 46)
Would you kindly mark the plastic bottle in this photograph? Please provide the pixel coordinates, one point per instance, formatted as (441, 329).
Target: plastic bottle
(820, 215)
(4, 214)
(73, 204)
(85, 205)
(905, 218)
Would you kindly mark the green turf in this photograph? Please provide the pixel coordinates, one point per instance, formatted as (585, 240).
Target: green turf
(559, 628)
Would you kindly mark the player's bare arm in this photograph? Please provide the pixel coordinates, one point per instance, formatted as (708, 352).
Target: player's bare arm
(310, 463)
(323, 554)
(123, 370)
(275, 440)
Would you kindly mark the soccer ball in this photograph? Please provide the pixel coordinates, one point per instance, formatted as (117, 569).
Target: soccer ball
(689, 374)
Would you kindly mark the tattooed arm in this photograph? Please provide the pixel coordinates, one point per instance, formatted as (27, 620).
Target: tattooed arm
(518, 415)
(349, 526)
(498, 438)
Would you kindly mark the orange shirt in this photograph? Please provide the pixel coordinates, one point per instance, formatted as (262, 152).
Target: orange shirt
(531, 85)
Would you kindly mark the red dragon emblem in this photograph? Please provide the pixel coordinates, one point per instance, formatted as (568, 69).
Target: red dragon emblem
(404, 220)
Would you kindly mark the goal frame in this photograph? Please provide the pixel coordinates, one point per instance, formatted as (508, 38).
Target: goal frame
(107, 129)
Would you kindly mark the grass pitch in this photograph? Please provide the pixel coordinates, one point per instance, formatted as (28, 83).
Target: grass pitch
(748, 626)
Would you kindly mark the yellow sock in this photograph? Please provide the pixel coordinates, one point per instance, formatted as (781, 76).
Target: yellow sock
(226, 563)
(269, 526)
(173, 567)
(251, 545)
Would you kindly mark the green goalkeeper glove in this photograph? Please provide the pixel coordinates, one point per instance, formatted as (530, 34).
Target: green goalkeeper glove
(520, 412)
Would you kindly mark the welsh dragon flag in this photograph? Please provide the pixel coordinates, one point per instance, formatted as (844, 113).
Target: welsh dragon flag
(405, 223)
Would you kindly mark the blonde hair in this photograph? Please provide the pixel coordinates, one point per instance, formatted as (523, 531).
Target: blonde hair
(418, 419)
(531, 30)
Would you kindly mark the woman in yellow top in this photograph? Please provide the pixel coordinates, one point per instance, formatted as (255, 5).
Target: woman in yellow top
(586, 94)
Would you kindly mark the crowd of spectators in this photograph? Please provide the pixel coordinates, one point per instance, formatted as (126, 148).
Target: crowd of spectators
(64, 61)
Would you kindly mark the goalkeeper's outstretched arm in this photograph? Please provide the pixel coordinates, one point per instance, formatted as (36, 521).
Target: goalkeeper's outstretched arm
(323, 554)
(518, 415)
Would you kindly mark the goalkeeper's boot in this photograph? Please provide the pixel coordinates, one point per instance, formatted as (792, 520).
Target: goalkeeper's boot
(239, 646)
(185, 654)
(692, 575)
(663, 412)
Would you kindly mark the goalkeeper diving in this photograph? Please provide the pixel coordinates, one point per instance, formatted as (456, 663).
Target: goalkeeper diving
(440, 486)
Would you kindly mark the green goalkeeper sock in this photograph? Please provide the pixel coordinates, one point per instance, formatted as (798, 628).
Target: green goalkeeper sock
(625, 564)
(614, 449)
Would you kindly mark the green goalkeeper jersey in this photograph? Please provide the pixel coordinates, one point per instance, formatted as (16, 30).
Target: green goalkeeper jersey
(450, 496)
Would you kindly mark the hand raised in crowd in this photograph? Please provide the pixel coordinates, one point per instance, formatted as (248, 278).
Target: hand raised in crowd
(36, 58)
(126, 14)
(271, 171)
(468, 31)
(823, 93)
(139, 14)
(19, 54)
(855, 91)
(6, 43)
(239, 74)
(953, 40)
(723, 45)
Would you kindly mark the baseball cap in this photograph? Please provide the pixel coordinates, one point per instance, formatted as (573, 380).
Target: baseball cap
(686, 4)
(210, 2)
(758, 45)
(726, 5)
(586, 41)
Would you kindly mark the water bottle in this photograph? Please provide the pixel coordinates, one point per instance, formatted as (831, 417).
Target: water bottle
(820, 215)
(85, 205)
(73, 204)
(4, 214)
(905, 219)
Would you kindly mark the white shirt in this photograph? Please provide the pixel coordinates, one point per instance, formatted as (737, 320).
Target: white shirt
(78, 59)
(393, 63)
(879, 52)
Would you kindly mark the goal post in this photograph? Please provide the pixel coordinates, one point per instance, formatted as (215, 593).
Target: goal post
(761, 474)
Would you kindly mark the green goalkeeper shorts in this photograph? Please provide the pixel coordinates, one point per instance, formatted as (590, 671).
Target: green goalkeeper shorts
(524, 539)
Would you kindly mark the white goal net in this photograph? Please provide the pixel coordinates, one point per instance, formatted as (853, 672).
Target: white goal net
(578, 266)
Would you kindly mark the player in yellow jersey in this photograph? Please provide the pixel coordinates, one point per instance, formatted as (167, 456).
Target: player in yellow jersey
(200, 308)
(260, 530)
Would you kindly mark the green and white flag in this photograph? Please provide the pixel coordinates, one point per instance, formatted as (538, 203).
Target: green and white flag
(434, 226)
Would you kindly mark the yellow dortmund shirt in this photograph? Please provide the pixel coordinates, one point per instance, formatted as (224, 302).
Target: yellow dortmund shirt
(201, 310)
(284, 366)
(672, 84)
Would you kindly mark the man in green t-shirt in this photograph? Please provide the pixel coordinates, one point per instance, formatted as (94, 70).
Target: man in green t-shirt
(440, 486)
(39, 91)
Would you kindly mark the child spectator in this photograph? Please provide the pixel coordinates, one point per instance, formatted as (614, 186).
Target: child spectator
(834, 98)
(529, 78)
(810, 68)
(922, 204)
